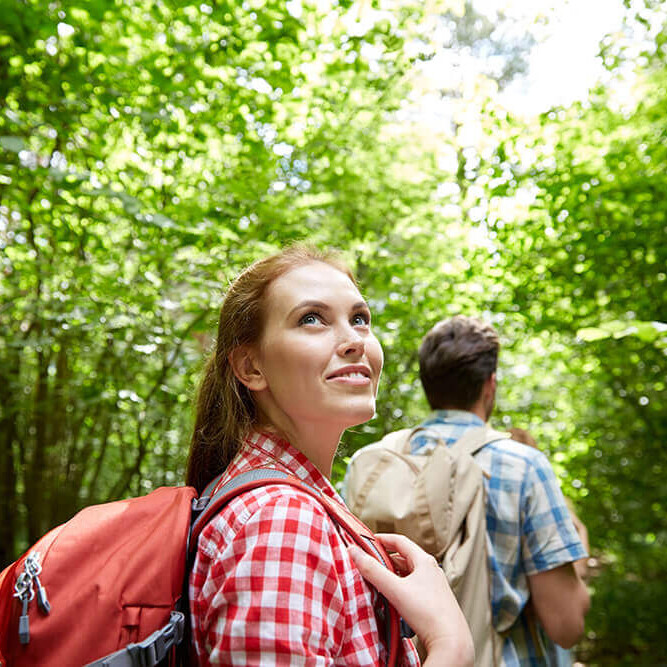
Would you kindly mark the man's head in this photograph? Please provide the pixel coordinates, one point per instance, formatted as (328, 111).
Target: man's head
(457, 365)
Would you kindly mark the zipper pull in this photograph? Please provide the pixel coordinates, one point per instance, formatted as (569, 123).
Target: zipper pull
(24, 622)
(24, 592)
(42, 600)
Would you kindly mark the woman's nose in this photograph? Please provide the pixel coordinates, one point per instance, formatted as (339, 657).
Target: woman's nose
(351, 345)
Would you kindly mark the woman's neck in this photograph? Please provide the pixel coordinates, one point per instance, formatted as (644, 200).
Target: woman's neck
(317, 441)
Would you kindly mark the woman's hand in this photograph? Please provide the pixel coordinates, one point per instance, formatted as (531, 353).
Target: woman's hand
(422, 596)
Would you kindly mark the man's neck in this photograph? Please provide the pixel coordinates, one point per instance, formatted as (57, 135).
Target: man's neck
(477, 409)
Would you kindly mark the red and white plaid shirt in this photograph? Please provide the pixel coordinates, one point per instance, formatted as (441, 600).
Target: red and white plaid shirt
(273, 583)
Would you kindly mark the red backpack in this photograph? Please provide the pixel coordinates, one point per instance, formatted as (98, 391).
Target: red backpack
(113, 580)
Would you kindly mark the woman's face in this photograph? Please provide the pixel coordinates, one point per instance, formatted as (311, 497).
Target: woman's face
(319, 360)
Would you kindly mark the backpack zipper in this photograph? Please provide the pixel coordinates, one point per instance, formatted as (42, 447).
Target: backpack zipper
(24, 590)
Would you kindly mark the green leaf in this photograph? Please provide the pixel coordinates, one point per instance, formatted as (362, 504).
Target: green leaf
(13, 144)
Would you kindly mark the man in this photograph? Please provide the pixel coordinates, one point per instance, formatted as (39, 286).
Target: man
(532, 543)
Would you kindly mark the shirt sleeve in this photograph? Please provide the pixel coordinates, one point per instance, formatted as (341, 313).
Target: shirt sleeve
(549, 538)
(276, 592)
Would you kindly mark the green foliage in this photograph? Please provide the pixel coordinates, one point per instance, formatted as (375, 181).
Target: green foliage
(589, 280)
(624, 601)
(149, 150)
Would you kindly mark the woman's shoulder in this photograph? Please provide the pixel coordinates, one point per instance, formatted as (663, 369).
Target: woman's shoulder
(277, 496)
(274, 508)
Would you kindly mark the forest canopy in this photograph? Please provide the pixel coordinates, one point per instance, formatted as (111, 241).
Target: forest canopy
(150, 150)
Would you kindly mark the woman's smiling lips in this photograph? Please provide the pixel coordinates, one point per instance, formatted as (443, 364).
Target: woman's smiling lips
(353, 375)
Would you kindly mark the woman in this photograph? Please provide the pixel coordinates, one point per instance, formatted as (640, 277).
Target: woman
(274, 581)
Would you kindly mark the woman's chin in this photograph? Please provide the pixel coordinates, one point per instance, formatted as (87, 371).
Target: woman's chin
(360, 415)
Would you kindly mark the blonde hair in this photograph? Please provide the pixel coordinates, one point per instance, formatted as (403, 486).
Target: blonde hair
(522, 436)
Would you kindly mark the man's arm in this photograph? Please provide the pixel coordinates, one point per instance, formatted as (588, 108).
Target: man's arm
(561, 601)
(581, 565)
(551, 547)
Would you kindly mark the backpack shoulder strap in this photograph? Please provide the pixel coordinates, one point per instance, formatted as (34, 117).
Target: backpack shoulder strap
(476, 438)
(208, 506)
(362, 535)
(399, 441)
(364, 538)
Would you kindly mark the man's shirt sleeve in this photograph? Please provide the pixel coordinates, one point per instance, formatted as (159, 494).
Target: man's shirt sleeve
(549, 538)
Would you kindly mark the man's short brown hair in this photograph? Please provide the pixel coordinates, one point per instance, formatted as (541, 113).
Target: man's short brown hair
(456, 357)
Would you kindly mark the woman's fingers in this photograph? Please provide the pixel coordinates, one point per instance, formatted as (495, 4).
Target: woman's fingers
(412, 553)
(422, 597)
(400, 564)
(385, 581)
(373, 571)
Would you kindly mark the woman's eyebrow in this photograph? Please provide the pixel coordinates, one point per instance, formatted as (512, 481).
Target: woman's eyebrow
(309, 303)
(320, 305)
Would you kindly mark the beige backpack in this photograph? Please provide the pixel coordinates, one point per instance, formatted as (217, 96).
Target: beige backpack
(438, 500)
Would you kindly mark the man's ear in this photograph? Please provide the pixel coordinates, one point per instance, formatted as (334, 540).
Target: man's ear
(488, 397)
(243, 360)
(488, 392)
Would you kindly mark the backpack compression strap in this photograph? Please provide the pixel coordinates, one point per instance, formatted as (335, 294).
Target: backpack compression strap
(471, 442)
(152, 650)
(475, 438)
(364, 538)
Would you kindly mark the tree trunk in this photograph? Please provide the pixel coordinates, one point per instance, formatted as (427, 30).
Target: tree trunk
(37, 496)
(9, 390)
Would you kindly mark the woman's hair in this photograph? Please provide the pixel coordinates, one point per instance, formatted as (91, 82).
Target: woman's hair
(522, 436)
(225, 409)
(456, 357)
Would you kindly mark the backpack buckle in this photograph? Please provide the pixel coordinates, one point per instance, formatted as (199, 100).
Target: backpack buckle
(155, 647)
(199, 504)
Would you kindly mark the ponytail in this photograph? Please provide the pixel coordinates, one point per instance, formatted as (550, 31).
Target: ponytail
(210, 450)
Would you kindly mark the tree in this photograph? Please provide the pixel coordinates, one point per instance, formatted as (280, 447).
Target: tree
(592, 181)
(150, 150)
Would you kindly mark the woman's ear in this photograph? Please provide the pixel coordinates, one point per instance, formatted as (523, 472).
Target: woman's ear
(243, 360)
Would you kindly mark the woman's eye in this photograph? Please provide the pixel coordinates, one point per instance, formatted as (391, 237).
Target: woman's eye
(310, 318)
(361, 320)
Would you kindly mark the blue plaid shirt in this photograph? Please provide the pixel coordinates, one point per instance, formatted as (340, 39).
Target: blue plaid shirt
(529, 528)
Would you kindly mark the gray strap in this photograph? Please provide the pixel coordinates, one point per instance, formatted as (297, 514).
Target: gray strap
(120, 658)
(244, 477)
(151, 650)
(250, 476)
